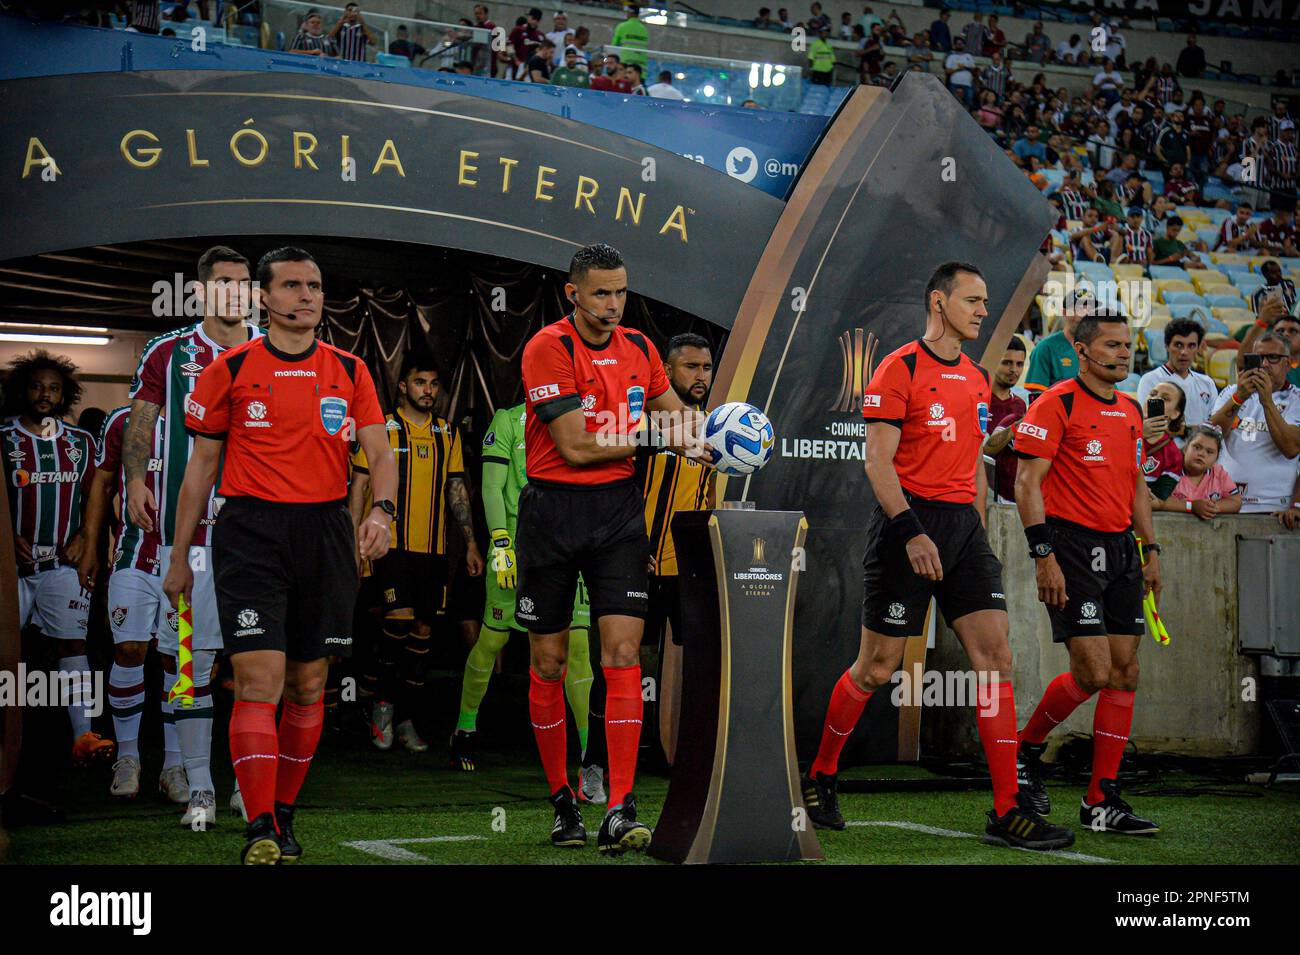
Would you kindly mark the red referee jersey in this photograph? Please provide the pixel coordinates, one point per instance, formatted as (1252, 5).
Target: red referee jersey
(941, 407)
(1095, 447)
(285, 419)
(611, 383)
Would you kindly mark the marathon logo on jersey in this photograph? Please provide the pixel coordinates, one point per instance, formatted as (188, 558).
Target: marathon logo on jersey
(194, 409)
(333, 412)
(341, 641)
(119, 615)
(23, 478)
(1032, 430)
(635, 403)
(542, 392)
(604, 361)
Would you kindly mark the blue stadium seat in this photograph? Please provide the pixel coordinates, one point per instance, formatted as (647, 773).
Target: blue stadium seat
(1156, 178)
(1183, 298)
(1197, 310)
(392, 59)
(1216, 215)
(1159, 272)
(1223, 301)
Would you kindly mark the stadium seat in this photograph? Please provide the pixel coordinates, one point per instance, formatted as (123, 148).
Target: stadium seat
(1223, 300)
(391, 59)
(1208, 278)
(1168, 287)
(1258, 260)
(1234, 315)
(1216, 215)
(1127, 271)
(1197, 310)
(1159, 272)
(1222, 366)
(1249, 286)
(1157, 180)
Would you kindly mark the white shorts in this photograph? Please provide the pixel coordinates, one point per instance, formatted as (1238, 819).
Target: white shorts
(53, 601)
(137, 607)
(207, 626)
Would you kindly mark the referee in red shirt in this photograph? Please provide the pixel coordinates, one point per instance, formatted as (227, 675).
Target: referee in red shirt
(590, 385)
(1081, 492)
(282, 409)
(926, 409)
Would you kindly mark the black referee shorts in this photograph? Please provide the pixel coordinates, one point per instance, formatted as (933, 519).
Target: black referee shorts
(1103, 583)
(413, 581)
(895, 598)
(665, 607)
(564, 531)
(286, 577)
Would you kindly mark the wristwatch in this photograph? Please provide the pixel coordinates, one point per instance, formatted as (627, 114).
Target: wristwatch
(1153, 548)
(388, 507)
(1041, 549)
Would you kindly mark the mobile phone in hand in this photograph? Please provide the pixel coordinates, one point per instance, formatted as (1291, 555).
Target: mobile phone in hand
(1253, 362)
(1155, 407)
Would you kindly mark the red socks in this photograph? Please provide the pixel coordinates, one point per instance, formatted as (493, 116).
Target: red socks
(842, 714)
(1062, 696)
(1110, 728)
(546, 710)
(254, 750)
(997, 729)
(623, 711)
(300, 728)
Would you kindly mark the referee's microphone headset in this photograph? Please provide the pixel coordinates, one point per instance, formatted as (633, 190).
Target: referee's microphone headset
(599, 318)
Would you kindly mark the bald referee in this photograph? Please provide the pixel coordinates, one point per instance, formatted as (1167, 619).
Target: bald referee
(282, 410)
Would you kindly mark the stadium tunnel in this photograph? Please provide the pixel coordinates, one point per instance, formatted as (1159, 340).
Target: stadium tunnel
(457, 190)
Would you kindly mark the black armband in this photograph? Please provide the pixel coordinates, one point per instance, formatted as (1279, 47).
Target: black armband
(906, 525)
(1040, 540)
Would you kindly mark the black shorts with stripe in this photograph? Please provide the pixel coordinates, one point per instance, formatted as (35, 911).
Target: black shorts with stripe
(412, 581)
(1103, 583)
(895, 598)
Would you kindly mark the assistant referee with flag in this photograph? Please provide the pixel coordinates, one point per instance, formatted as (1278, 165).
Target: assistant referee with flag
(283, 410)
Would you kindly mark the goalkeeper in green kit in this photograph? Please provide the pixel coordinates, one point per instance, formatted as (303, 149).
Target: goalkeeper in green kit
(504, 475)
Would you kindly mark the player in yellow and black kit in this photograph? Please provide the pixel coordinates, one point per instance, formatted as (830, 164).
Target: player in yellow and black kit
(412, 576)
(670, 483)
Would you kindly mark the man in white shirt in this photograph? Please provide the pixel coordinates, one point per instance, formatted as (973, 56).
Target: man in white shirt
(664, 89)
(561, 36)
(1183, 337)
(1260, 421)
(960, 70)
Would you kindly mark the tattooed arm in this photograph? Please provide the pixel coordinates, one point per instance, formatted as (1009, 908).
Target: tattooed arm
(458, 498)
(137, 446)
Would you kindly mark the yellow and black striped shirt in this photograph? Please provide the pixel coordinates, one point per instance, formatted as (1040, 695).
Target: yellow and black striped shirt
(670, 483)
(427, 456)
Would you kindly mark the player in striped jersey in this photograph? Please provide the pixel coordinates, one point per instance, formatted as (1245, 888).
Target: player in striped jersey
(1132, 243)
(47, 466)
(169, 367)
(138, 610)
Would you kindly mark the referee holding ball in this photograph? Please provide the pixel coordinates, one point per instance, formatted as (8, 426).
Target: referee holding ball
(282, 409)
(589, 385)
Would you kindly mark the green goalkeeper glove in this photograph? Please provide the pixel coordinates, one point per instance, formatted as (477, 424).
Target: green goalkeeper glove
(501, 557)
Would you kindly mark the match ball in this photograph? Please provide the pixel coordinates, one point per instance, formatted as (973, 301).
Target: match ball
(741, 436)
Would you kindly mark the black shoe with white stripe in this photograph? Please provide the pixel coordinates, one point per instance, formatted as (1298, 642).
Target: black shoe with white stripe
(568, 831)
(1029, 774)
(1113, 814)
(1022, 828)
(822, 801)
(620, 831)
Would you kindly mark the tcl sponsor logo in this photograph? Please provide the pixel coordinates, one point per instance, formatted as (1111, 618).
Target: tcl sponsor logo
(1032, 430)
(871, 401)
(542, 392)
(194, 409)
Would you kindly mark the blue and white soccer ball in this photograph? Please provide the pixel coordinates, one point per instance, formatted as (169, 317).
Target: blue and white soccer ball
(741, 436)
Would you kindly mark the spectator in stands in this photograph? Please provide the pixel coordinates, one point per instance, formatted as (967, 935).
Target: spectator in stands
(635, 79)
(959, 68)
(1054, 358)
(1028, 145)
(783, 18)
(920, 56)
(1191, 61)
(144, 16)
(1205, 488)
(996, 76)
(1092, 241)
(403, 46)
(482, 53)
(1237, 233)
(1038, 45)
(846, 25)
(1280, 160)
(1169, 250)
(1135, 191)
(817, 21)
(560, 35)
(764, 18)
(1074, 196)
(581, 37)
(1181, 190)
(352, 36)
(604, 71)
(1162, 457)
(524, 40)
(1072, 51)
(989, 115)
(539, 64)
(1280, 115)
(570, 75)
(664, 89)
(750, 104)
(1274, 315)
(311, 39)
(974, 35)
(1275, 282)
(1172, 145)
(1123, 105)
(940, 36)
(1164, 86)
(895, 30)
(1183, 340)
(1116, 45)
(1260, 421)
(871, 54)
(1200, 135)
(1107, 205)
(869, 19)
(1101, 146)
(821, 57)
(1107, 83)
(887, 75)
(995, 41)
(1277, 234)
(1005, 411)
(1132, 242)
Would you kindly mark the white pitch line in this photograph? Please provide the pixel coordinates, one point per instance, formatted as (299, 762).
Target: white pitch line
(391, 849)
(954, 834)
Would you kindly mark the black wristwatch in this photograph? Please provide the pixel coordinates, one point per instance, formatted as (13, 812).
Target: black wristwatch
(388, 507)
(1041, 549)
(1153, 548)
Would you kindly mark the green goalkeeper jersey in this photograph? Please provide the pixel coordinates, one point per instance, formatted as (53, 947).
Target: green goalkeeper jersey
(504, 468)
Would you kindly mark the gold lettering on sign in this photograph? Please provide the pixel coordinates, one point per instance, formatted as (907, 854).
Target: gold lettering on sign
(388, 157)
(542, 181)
(344, 140)
(144, 156)
(262, 143)
(505, 173)
(585, 195)
(677, 220)
(32, 161)
(304, 144)
(466, 167)
(634, 210)
(193, 148)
